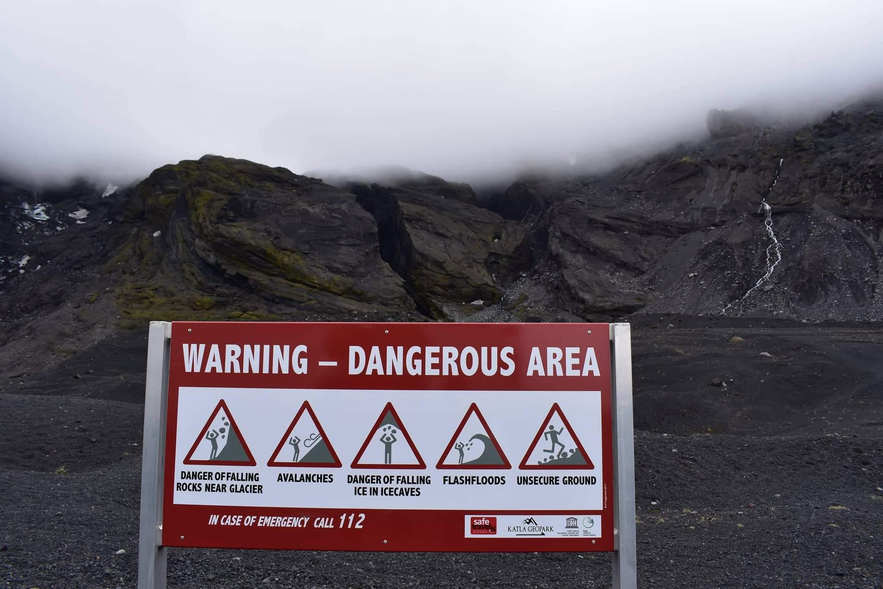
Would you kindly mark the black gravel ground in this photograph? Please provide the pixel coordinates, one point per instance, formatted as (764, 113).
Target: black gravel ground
(790, 495)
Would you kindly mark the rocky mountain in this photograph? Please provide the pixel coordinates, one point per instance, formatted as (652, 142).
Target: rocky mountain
(759, 220)
(742, 416)
(772, 221)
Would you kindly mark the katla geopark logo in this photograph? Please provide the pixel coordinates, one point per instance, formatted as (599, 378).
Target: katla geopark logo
(530, 527)
(483, 525)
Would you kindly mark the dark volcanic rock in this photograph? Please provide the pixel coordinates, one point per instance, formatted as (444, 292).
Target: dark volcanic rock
(215, 232)
(451, 254)
(784, 221)
(820, 257)
(54, 295)
(528, 198)
(596, 251)
(762, 220)
(58, 223)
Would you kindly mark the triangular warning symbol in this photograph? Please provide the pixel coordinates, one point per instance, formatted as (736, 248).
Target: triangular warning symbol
(305, 443)
(473, 445)
(383, 448)
(220, 442)
(556, 446)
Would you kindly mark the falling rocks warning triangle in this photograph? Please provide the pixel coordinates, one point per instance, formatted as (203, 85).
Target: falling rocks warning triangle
(220, 442)
(556, 446)
(305, 443)
(473, 445)
(388, 445)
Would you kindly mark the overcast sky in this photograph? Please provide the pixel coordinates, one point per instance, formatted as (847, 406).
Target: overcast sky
(459, 89)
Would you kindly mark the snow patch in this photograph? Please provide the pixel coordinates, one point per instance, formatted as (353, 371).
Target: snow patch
(24, 261)
(37, 212)
(79, 215)
(157, 233)
(111, 188)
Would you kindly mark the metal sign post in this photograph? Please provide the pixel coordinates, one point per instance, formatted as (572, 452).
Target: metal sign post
(151, 553)
(333, 436)
(625, 560)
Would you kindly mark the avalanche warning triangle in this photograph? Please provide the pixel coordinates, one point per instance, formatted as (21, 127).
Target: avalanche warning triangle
(220, 442)
(388, 445)
(556, 446)
(305, 443)
(473, 445)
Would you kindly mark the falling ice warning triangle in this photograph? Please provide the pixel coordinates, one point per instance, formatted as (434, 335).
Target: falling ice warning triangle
(305, 443)
(388, 445)
(220, 442)
(556, 446)
(473, 445)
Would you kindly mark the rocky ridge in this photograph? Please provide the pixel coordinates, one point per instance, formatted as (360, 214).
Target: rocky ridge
(764, 221)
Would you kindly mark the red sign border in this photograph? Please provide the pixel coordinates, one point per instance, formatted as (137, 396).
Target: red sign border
(186, 525)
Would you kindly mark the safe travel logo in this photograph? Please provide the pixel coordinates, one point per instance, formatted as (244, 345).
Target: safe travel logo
(484, 525)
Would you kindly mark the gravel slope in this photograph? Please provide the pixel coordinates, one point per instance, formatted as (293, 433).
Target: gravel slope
(713, 511)
(790, 495)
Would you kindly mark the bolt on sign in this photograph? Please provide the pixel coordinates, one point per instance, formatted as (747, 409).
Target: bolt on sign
(388, 437)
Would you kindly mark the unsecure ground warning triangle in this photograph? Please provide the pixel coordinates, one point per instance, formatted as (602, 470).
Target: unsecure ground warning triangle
(388, 444)
(473, 445)
(220, 442)
(305, 443)
(556, 446)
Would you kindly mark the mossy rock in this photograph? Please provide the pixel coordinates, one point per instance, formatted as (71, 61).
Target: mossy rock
(260, 234)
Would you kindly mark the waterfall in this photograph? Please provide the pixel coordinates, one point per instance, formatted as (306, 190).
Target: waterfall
(773, 250)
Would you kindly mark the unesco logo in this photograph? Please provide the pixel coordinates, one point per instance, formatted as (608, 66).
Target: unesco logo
(483, 525)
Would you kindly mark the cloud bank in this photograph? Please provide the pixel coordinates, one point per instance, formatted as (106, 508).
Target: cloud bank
(460, 89)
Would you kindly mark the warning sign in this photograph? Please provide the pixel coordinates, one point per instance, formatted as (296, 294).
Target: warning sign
(556, 446)
(220, 442)
(387, 436)
(473, 445)
(388, 445)
(305, 443)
